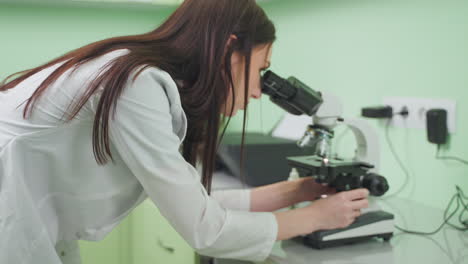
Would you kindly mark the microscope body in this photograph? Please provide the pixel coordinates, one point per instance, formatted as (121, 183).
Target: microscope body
(342, 175)
(326, 167)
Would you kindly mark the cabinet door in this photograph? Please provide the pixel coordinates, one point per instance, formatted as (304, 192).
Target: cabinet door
(155, 241)
(113, 249)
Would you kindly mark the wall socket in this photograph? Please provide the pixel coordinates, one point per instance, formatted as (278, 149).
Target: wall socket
(417, 108)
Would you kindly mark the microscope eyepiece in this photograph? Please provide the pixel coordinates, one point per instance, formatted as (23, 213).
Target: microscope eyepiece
(291, 94)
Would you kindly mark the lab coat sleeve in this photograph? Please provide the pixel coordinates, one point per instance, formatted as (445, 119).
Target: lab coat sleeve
(238, 199)
(142, 134)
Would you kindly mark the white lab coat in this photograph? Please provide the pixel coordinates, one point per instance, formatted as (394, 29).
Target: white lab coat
(53, 193)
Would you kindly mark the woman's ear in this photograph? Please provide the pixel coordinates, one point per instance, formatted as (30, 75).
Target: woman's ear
(234, 56)
(231, 39)
(229, 42)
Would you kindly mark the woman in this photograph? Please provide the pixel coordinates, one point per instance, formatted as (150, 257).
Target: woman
(88, 136)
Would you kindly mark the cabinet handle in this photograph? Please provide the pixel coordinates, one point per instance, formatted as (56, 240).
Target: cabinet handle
(167, 248)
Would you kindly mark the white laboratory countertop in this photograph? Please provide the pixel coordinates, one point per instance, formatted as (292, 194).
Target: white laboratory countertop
(447, 246)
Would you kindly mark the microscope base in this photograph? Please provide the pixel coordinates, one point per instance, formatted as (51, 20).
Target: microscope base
(372, 224)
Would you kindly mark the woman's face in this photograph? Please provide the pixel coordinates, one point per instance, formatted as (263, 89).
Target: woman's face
(260, 61)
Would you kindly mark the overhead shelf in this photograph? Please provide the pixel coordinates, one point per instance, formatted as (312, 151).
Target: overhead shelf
(127, 4)
(98, 3)
(152, 2)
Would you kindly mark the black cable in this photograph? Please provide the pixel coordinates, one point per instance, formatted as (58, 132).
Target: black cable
(397, 158)
(460, 201)
(435, 231)
(464, 227)
(449, 157)
(464, 222)
(459, 197)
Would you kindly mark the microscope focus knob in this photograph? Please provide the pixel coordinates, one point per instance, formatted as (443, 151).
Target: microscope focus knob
(376, 184)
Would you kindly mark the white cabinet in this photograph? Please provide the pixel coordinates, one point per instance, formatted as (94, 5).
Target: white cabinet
(115, 248)
(154, 240)
(144, 237)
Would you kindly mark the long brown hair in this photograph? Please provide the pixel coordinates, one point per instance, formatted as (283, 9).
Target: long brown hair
(191, 45)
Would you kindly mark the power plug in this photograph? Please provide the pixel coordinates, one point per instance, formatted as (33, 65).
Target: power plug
(436, 124)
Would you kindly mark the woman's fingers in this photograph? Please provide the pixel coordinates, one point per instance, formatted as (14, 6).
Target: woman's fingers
(357, 194)
(356, 213)
(360, 204)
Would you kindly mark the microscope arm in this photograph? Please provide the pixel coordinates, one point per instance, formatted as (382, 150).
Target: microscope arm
(368, 148)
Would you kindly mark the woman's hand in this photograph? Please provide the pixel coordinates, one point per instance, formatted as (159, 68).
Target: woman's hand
(339, 210)
(308, 189)
(336, 211)
(283, 194)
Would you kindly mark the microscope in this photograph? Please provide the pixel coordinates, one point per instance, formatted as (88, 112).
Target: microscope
(361, 171)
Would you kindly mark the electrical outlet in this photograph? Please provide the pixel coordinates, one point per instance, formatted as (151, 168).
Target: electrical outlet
(417, 108)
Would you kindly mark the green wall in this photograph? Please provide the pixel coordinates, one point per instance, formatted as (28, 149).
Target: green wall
(364, 51)
(33, 34)
(360, 50)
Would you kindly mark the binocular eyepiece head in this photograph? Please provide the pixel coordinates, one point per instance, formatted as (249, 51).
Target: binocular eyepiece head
(291, 94)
